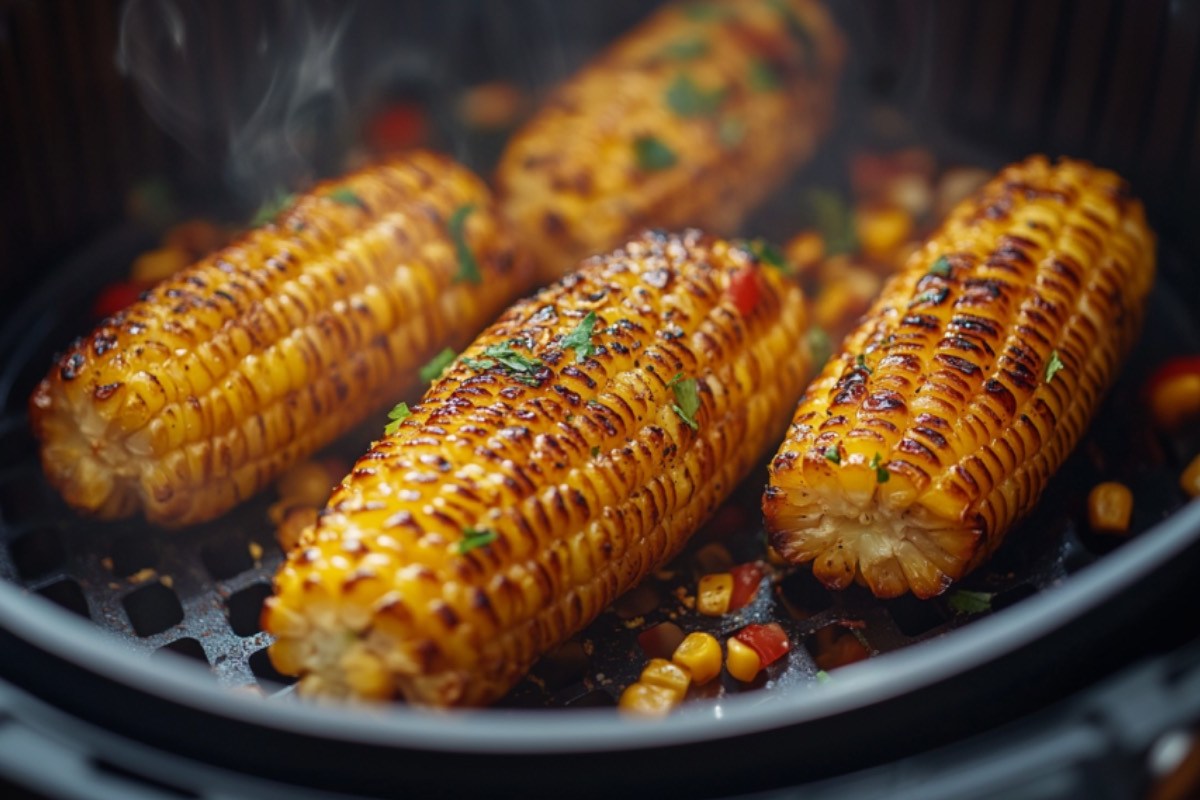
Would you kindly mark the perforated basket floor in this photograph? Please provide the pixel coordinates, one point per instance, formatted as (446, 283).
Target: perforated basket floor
(197, 592)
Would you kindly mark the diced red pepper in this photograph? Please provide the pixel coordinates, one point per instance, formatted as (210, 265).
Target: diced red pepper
(745, 287)
(114, 297)
(746, 578)
(397, 128)
(769, 641)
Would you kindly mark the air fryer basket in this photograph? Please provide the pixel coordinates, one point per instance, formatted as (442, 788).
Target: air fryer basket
(167, 679)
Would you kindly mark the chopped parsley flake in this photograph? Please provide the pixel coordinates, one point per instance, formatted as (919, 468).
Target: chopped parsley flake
(686, 49)
(580, 339)
(881, 473)
(730, 132)
(595, 451)
(475, 537)
(831, 454)
(820, 347)
(823, 676)
(437, 365)
(398, 414)
(941, 267)
(519, 367)
(1053, 366)
(652, 155)
(933, 297)
(347, 197)
(763, 77)
(688, 100)
(687, 399)
(965, 602)
(272, 208)
(468, 267)
(860, 361)
(769, 254)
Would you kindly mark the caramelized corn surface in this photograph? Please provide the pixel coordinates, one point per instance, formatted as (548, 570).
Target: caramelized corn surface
(543, 475)
(691, 119)
(966, 385)
(195, 397)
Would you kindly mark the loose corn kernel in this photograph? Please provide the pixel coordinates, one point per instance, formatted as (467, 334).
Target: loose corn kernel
(882, 229)
(1175, 400)
(804, 251)
(712, 598)
(1190, 479)
(668, 675)
(646, 699)
(700, 653)
(157, 265)
(1110, 506)
(307, 483)
(741, 661)
(291, 522)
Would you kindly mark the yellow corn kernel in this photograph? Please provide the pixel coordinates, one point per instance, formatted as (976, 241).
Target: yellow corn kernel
(1190, 479)
(645, 699)
(700, 653)
(668, 675)
(1175, 400)
(712, 597)
(804, 251)
(157, 265)
(1110, 506)
(882, 229)
(741, 661)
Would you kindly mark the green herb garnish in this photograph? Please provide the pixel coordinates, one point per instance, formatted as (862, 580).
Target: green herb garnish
(595, 451)
(769, 254)
(881, 473)
(580, 338)
(763, 77)
(941, 267)
(687, 399)
(437, 365)
(686, 49)
(831, 454)
(688, 100)
(823, 676)
(511, 359)
(475, 537)
(860, 361)
(933, 297)
(1053, 366)
(398, 414)
(730, 132)
(820, 347)
(831, 215)
(652, 155)
(272, 208)
(965, 602)
(347, 197)
(468, 267)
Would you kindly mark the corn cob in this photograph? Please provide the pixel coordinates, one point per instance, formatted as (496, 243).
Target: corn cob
(544, 474)
(966, 385)
(195, 397)
(691, 119)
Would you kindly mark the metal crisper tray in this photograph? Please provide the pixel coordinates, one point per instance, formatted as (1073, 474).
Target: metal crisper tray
(197, 593)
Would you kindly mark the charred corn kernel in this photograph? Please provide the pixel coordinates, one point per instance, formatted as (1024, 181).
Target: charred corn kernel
(645, 699)
(158, 265)
(484, 531)
(691, 119)
(1175, 399)
(700, 654)
(881, 229)
(741, 661)
(306, 483)
(197, 397)
(712, 596)
(1189, 481)
(966, 385)
(1110, 505)
(804, 251)
(667, 674)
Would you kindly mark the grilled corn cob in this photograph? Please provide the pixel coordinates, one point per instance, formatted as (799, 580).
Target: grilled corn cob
(966, 385)
(691, 119)
(571, 449)
(195, 397)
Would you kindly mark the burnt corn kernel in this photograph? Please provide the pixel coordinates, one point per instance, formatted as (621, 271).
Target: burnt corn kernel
(642, 137)
(202, 392)
(976, 400)
(546, 502)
